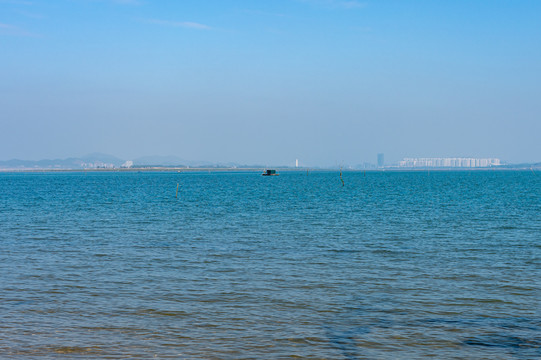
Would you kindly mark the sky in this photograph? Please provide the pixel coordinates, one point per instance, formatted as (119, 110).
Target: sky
(328, 82)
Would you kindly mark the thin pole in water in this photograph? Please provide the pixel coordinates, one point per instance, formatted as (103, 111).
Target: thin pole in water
(176, 195)
(341, 177)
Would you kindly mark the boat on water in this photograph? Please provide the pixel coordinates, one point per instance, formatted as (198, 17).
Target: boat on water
(270, 173)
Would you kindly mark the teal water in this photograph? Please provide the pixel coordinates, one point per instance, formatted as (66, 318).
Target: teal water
(393, 265)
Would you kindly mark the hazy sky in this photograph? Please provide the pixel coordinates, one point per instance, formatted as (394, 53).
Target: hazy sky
(325, 81)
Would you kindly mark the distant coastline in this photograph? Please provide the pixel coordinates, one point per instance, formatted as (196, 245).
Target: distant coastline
(258, 170)
(104, 162)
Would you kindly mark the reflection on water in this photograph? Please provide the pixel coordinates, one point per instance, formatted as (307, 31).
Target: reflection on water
(390, 266)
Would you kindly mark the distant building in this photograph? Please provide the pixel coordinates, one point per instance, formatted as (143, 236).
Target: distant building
(448, 162)
(97, 165)
(296, 163)
(381, 160)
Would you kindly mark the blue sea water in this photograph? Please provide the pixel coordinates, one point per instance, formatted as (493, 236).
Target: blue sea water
(393, 265)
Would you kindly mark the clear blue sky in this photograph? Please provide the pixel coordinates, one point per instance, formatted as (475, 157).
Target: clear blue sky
(325, 81)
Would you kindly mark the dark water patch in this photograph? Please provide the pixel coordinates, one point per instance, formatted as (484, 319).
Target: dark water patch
(346, 251)
(345, 342)
(506, 228)
(154, 312)
(54, 351)
(504, 341)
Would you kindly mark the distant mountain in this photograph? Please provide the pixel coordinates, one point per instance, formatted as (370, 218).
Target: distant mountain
(100, 160)
(95, 161)
(105, 158)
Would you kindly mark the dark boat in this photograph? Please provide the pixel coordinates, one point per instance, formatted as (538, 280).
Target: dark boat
(270, 173)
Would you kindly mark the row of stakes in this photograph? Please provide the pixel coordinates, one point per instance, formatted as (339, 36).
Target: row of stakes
(341, 179)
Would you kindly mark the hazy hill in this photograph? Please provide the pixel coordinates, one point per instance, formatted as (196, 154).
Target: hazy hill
(96, 160)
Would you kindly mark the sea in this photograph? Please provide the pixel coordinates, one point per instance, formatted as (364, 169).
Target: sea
(235, 265)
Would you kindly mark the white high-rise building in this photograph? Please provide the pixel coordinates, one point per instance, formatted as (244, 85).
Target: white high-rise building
(449, 162)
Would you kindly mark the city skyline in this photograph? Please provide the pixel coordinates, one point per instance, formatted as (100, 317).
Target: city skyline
(379, 160)
(106, 161)
(450, 162)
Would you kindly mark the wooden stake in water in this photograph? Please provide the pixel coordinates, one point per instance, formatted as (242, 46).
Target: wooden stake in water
(342, 180)
(176, 195)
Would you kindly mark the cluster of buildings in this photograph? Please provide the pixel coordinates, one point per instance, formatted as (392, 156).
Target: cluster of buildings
(97, 165)
(449, 162)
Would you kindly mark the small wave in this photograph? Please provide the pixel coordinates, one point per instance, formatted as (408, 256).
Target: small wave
(504, 342)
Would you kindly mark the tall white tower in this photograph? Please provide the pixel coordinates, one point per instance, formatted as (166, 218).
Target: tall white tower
(296, 163)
